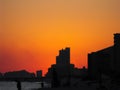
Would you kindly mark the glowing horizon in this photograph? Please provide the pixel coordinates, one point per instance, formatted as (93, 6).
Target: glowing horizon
(33, 31)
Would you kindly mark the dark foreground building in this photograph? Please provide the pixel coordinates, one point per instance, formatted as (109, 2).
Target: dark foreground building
(105, 61)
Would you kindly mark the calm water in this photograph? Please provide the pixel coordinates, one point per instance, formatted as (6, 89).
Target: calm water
(25, 85)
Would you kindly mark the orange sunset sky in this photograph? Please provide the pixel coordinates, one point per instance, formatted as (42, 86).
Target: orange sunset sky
(32, 31)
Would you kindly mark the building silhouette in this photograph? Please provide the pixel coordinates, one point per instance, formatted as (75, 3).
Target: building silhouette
(55, 80)
(80, 72)
(1, 75)
(19, 74)
(106, 61)
(39, 74)
(63, 66)
(64, 57)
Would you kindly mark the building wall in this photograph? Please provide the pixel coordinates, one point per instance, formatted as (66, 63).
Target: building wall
(117, 52)
(106, 60)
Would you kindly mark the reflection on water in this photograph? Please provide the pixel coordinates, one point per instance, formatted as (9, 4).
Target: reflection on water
(25, 85)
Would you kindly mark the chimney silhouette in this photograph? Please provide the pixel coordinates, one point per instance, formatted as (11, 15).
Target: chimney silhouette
(117, 39)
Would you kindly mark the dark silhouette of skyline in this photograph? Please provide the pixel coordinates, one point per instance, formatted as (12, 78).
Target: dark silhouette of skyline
(105, 62)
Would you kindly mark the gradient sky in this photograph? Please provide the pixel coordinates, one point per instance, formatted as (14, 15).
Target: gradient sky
(32, 31)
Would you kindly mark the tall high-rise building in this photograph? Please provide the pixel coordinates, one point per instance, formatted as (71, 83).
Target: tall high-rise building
(63, 66)
(64, 57)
